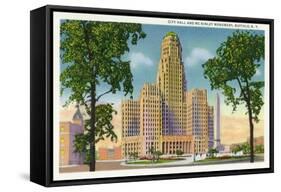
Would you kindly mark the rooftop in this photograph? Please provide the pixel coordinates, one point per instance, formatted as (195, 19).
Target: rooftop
(77, 115)
(172, 34)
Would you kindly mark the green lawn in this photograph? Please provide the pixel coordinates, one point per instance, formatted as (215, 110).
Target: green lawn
(219, 159)
(146, 162)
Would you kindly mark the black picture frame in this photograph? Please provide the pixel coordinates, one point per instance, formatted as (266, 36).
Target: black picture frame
(41, 83)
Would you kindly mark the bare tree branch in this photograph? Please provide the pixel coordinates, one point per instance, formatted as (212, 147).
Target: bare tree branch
(103, 94)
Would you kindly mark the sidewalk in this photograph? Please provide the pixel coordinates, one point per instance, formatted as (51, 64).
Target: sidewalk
(187, 161)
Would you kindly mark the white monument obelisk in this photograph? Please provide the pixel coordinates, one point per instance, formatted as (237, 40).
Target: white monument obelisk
(218, 123)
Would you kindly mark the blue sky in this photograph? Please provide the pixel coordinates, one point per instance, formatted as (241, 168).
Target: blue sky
(198, 44)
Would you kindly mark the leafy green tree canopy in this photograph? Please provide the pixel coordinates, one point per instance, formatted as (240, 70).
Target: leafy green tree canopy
(104, 128)
(179, 152)
(237, 61)
(92, 52)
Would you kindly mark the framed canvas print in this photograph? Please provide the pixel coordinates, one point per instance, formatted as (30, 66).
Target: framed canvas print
(120, 95)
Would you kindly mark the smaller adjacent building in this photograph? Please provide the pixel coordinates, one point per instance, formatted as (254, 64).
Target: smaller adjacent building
(68, 130)
(109, 153)
(200, 121)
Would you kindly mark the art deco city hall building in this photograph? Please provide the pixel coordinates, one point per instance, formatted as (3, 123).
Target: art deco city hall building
(166, 117)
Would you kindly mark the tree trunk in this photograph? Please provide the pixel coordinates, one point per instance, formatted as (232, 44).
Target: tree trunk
(93, 129)
(251, 132)
(93, 104)
(250, 123)
(92, 157)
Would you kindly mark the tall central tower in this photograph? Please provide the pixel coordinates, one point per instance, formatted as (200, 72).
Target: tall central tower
(172, 86)
(166, 117)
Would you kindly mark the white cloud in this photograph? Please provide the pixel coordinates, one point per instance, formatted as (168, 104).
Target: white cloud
(197, 56)
(139, 59)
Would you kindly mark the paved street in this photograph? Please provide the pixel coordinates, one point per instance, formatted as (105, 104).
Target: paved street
(100, 166)
(117, 165)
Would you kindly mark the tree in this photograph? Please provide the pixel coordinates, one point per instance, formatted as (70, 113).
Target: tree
(179, 152)
(133, 155)
(92, 53)
(236, 149)
(104, 129)
(259, 148)
(246, 148)
(151, 150)
(232, 70)
(155, 154)
(158, 155)
(212, 152)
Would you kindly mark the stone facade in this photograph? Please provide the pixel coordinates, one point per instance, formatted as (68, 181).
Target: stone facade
(68, 130)
(159, 118)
